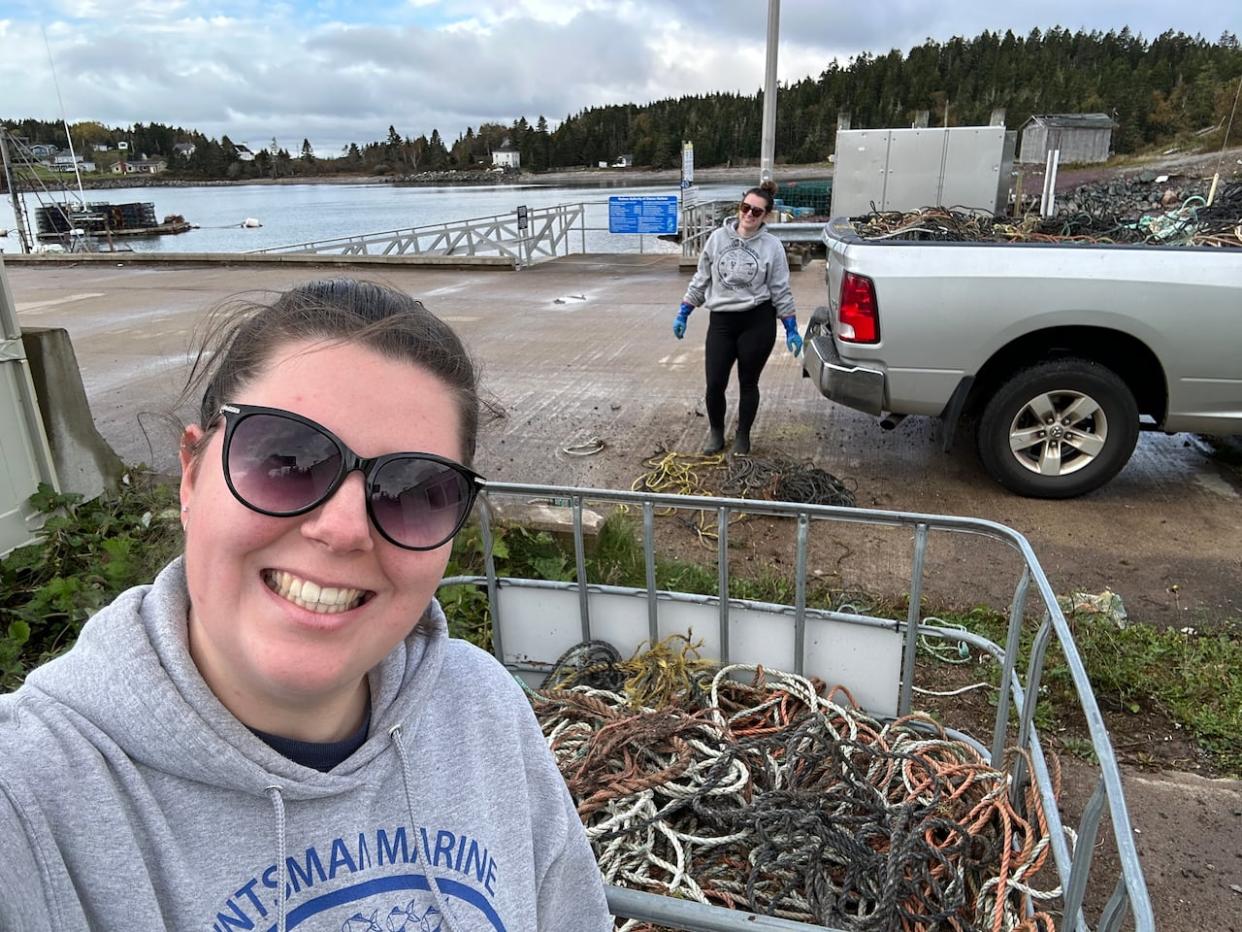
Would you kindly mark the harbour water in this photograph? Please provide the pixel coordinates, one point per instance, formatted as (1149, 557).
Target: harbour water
(301, 213)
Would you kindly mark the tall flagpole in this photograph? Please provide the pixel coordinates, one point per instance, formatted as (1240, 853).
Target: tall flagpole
(769, 93)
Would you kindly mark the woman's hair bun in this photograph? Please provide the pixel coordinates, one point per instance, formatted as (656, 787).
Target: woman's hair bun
(768, 186)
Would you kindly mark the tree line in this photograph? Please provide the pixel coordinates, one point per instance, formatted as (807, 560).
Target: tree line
(1156, 91)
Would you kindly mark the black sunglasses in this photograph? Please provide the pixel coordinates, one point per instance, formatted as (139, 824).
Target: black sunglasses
(751, 209)
(282, 464)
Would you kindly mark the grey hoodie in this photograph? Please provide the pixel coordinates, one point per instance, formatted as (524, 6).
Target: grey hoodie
(737, 273)
(131, 799)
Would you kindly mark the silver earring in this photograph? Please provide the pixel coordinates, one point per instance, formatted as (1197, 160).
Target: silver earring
(185, 508)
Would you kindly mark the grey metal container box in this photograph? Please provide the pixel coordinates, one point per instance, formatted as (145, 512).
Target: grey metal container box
(25, 459)
(905, 169)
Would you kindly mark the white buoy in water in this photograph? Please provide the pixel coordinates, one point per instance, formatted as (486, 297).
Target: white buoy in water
(250, 223)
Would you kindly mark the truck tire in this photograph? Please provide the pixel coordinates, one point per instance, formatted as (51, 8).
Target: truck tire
(1058, 429)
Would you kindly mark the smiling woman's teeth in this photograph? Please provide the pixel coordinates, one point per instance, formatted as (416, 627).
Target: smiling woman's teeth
(308, 595)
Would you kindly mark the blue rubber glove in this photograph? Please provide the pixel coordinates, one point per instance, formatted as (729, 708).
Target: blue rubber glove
(683, 315)
(792, 340)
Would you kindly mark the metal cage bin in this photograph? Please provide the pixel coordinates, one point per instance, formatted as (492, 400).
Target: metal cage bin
(535, 621)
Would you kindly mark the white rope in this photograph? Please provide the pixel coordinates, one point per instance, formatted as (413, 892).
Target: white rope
(681, 855)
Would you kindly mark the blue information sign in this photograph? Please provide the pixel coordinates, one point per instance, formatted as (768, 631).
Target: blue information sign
(642, 214)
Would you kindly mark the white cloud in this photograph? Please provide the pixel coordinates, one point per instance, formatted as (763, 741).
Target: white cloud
(118, 10)
(344, 70)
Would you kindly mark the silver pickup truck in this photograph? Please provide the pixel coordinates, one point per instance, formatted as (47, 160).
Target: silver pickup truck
(1059, 353)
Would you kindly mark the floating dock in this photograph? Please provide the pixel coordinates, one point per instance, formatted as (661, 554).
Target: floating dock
(101, 218)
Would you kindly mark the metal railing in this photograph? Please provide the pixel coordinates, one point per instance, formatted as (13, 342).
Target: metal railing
(698, 221)
(525, 237)
(540, 233)
(1016, 692)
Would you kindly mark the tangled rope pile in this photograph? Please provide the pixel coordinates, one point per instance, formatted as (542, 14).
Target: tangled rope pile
(1091, 219)
(784, 480)
(781, 797)
(677, 473)
(772, 479)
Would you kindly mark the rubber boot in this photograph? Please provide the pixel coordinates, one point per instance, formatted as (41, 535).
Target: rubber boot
(715, 441)
(741, 443)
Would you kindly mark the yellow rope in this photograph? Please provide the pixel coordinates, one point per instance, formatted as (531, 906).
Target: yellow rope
(673, 473)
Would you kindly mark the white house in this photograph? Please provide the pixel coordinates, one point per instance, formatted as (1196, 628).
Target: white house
(623, 161)
(244, 154)
(506, 156)
(184, 149)
(123, 146)
(65, 163)
(100, 146)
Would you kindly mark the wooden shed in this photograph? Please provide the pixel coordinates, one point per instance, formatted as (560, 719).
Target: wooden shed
(1081, 137)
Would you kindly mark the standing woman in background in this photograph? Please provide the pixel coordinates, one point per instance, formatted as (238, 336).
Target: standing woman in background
(743, 279)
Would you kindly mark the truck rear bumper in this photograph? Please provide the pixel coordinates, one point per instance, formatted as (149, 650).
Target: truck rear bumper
(845, 383)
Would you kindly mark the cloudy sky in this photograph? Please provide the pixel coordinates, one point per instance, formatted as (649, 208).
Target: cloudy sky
(344, 70)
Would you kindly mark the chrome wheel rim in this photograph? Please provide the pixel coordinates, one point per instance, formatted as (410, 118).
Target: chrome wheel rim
(1058, 433)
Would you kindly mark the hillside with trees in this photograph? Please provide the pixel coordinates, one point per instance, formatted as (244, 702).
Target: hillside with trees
(1157, 91)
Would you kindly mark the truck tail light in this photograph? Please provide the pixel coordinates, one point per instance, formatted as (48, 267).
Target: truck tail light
(859, 320)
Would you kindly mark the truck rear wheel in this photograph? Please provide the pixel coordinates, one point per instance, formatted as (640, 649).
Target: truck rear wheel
(1058, 429)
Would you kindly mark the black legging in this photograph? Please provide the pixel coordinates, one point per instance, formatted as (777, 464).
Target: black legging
(746, 337)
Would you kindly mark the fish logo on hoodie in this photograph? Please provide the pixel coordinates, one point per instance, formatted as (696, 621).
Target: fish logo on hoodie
(408, 919)
(376, 881)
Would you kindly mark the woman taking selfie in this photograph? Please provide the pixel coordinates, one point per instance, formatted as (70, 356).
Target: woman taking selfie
(743, 279)
(279, 733)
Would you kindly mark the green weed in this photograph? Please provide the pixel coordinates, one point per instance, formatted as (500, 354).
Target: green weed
(1194, 677)
(89, 553)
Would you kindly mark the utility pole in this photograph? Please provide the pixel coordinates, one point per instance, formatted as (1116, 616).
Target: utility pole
(768, 149)
(19, 212)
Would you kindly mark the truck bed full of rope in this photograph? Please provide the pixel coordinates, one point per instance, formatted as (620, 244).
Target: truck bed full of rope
(1188, 222)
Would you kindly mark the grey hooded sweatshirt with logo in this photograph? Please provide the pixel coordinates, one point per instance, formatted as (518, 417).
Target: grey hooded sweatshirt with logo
(131, 799)
(737, 273)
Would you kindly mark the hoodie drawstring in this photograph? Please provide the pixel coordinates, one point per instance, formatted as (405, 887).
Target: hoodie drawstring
(278, 804)
(395, 732)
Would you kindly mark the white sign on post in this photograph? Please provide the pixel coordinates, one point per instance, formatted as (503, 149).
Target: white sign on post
(689, 193)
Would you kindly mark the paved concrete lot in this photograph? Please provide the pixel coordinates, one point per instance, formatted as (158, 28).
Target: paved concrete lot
(582, 347)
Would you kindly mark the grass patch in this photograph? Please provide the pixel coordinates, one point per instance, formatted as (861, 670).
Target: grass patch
(1191, 676)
